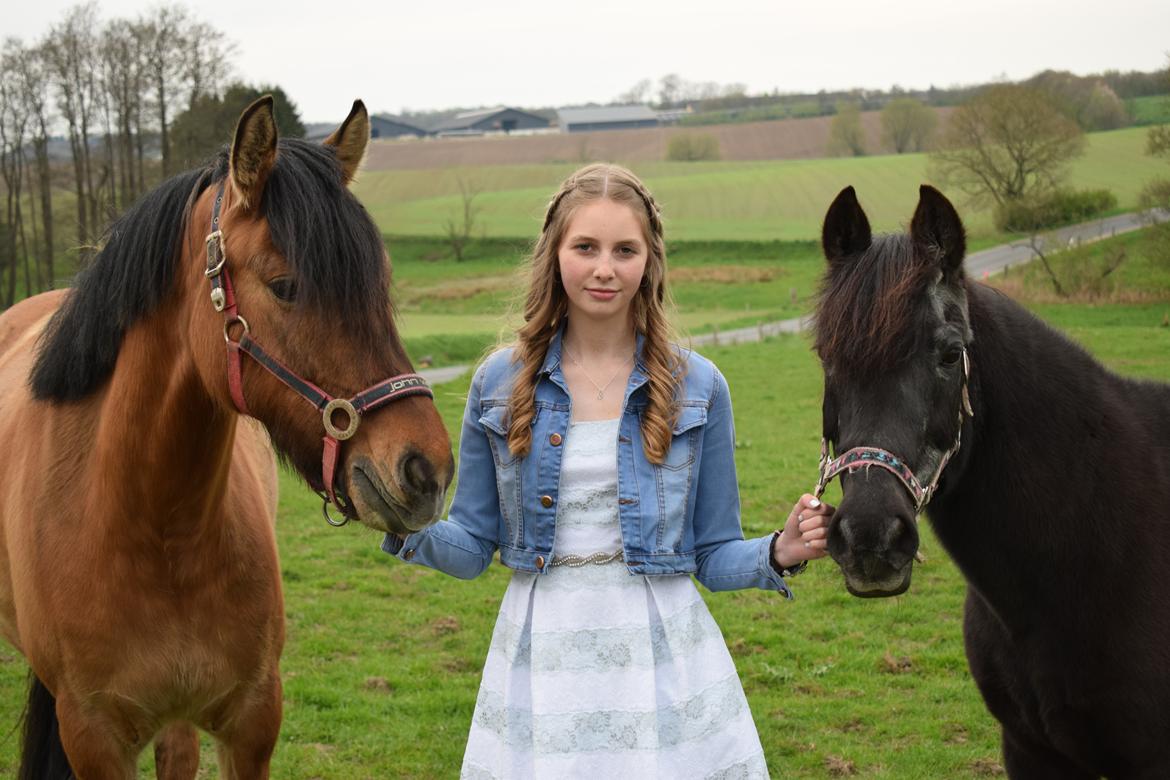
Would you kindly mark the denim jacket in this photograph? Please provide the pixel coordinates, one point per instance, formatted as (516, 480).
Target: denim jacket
(678, 517)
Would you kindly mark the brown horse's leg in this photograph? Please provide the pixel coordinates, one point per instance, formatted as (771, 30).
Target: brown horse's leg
(245, 749)
(91, 742)
(176, 752)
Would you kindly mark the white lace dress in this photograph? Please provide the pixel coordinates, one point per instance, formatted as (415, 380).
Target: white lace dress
(598, 674)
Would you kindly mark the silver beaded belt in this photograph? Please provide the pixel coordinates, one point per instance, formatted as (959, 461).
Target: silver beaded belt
(576, 561)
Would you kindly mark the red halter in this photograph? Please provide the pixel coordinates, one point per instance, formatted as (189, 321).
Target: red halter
(224, 300)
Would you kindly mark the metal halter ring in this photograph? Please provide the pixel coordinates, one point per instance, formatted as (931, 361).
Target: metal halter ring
(325, 511)
(227, 324)
(327, 417)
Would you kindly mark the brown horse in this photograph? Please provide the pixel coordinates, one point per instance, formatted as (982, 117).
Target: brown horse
(138, 565)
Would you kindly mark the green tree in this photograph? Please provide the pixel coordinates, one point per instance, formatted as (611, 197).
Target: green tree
(845, 134)
(907, 125)
(690, 147)
(1008, 143)
(207, 125)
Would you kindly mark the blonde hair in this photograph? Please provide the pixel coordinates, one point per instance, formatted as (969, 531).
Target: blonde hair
(546, 304)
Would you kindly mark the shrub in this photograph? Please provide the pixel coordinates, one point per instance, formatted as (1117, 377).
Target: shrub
(690, 147)
(1059, 207)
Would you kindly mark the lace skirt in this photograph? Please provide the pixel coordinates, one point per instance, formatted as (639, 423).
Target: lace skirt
(596, 673)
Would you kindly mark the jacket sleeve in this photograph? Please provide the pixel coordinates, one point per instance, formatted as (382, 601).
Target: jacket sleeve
(464, 543)
(725, 560)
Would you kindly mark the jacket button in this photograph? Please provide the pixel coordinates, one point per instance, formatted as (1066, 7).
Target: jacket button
(406, 556)
(546, 501)
(540, 561)
(555, 440)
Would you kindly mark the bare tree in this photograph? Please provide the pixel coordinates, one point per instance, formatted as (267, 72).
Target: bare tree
(122, 78)
(207, 61)
(71, 56)
(13, 126)
(164, 40)
(907, 125)
(1008, 143)
(639, 93)
(459, 228)
(29, 71)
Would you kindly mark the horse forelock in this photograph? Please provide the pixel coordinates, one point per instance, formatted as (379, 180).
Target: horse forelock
(871, 309)
(328, 239)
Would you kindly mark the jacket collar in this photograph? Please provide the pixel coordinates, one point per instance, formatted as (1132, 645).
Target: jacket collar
(552, 363)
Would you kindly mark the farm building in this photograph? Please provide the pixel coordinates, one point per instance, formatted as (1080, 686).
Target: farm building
(381, 126)
(580, 120)
(490, 120)
(390, 126)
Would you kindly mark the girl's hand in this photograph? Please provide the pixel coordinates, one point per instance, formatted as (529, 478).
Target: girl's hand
(805, 533)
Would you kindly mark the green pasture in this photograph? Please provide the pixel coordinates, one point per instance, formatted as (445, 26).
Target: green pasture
(382, 661)
(1149, 110)
(758, 200)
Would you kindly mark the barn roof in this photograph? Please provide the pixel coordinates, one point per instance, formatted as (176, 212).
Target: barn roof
(605, 114)
(469, 118)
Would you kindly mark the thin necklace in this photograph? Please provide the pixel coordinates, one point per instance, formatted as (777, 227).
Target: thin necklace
(600, 388)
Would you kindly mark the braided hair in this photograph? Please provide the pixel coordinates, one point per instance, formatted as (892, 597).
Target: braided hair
(546, 304)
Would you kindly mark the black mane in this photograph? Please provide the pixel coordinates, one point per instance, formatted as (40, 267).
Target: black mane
(328, 238)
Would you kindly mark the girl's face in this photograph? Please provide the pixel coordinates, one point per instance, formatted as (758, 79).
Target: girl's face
(602, 257)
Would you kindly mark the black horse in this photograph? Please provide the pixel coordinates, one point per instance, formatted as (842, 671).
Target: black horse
(1050, 479)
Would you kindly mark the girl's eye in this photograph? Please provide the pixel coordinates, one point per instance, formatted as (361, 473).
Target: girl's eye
(583, 247)
(284, 288)
(628, 251)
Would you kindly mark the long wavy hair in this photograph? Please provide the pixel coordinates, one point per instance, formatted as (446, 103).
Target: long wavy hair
(546, 305)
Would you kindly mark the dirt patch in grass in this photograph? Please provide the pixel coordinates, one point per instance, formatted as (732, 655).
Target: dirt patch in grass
(725, 274)
(1037, 291)
(840, 767)
(987, 767)
(457, 289)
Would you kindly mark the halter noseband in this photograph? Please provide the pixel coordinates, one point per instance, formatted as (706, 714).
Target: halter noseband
(223, 299)
(865, 457)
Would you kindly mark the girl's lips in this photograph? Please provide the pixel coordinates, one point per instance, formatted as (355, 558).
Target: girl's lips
(602, 295)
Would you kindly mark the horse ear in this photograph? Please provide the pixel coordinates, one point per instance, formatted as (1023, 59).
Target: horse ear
(846, 230)
(937, 227)
(349, 141)
(253, 152)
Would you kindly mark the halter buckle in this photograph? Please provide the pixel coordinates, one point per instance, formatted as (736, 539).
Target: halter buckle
(215, 254)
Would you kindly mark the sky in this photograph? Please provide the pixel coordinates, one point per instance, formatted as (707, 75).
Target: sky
(422, 55)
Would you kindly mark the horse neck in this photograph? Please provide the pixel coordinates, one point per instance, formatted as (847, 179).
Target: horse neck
(163, 447)
(1010, 520)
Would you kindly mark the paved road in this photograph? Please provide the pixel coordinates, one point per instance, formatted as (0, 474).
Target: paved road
(978, 264)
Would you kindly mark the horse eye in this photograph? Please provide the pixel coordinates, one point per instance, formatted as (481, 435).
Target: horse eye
(284, 288)
(951, 356)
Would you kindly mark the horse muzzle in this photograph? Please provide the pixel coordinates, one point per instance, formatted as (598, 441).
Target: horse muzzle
(874, 539)
(409, 501)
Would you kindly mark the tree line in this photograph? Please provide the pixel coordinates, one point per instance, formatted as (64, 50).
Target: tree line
(95, 113)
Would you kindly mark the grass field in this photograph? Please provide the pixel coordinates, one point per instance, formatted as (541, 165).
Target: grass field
(1149, 110)
(382, 661)
(760, 200)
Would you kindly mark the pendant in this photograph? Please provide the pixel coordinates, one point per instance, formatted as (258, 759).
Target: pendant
(600, 395)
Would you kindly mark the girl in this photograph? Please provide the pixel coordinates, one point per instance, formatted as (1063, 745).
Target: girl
(598, 459)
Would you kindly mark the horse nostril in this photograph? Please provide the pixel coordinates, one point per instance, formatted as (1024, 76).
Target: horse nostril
(418, 473)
